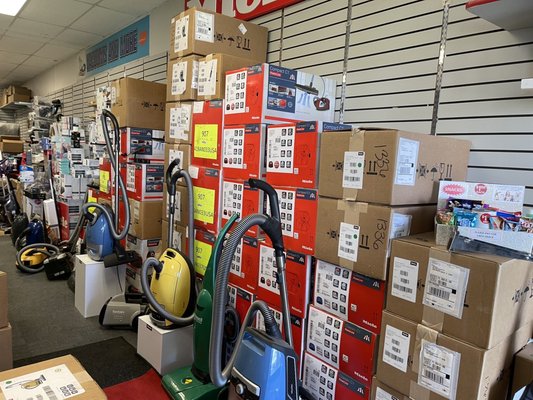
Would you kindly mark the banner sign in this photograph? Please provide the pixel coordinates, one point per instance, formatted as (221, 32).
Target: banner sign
(129, 44)
(242, 9)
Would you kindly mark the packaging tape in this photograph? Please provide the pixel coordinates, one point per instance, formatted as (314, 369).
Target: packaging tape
(352, 212)
(430, 335)
(357, 143)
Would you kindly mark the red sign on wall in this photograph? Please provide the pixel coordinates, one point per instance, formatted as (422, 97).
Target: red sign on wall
(242, 9)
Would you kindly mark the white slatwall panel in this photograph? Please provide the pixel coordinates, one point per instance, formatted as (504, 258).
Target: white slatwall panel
(273, 23)
(7, 116)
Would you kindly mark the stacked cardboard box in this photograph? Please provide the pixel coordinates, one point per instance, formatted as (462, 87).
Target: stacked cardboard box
(6, 347)
(17, 93)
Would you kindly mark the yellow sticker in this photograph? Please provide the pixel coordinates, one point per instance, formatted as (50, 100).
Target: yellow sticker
(91, 199)
(202, 254)
(206, 141)
(104, 181)
(204, 204)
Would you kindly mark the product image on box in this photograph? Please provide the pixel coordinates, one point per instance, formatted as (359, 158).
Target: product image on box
(142, 143)
(207, 184)
(243, 152)
(239, 198)
(145, 181)
(240, 300)
(244, 271)
(207, 123)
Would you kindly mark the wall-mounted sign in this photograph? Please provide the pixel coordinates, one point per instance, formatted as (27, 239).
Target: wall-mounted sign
(242, 9)
(129, 44)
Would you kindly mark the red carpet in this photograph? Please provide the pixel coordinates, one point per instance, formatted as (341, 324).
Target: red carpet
(147, 386)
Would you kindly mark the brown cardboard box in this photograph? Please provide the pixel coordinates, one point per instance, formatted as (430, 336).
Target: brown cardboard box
(18, 97)
(181, 211)
(3, 299)
(6, 349)
(397, 167)
(182, 151)
(12, 146)
(523, 368)
(212, 74)
(14, 89)
(92, 390)
(182, 78)
(365, 251)
(139, 104)
(201, 31)
(380, 391)
(179, 237)
(3, 97)
(145, 218)
(408, 357)
(496, 291)
(178, 122)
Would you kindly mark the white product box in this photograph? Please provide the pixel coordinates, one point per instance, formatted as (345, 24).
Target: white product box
(166, 350)
(95, 284)
(144, 247)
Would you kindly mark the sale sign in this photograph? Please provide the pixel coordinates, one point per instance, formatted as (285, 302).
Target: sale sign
(242, 9)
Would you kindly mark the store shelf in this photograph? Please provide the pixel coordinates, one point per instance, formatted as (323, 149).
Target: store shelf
(507, 14)
(16, 105)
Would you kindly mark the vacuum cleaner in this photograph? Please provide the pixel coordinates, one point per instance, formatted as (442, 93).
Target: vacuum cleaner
(263, 365)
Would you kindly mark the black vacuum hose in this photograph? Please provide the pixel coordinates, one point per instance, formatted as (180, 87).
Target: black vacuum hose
(38, 248)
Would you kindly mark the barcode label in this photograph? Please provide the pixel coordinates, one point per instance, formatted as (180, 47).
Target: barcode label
(204, 27)
(407, 159)
(348, 242)
(396, 348)
(49, 393)
(353, 168)
(383, 395)
(394, 357)
(441, 293)
(404, 279)
(401, 288)
(181, 34)
(439, 369)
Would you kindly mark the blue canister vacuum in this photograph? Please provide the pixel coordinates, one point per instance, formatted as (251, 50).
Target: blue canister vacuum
(263, 366)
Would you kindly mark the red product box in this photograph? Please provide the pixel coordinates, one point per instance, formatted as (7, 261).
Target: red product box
(240, 300)
(266, 93)
(298, 330)
(243, 151)
(244, 271)
(207, 124)
(298, 209)
(297, 274)
(203, 247)
(343, 345)
(69, 214)
(349, 295)
(145, 181)
(239, 198)
(142, 143)
(207, 192)
(327, 382)
(292, 154)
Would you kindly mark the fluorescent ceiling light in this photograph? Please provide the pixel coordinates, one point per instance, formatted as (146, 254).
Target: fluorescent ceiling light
(11, 7)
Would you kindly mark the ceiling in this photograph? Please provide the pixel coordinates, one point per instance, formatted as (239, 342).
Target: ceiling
(46, 32)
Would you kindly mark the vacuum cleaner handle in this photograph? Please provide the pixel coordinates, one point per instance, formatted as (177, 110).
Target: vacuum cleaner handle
(271, 193)
(172, 178)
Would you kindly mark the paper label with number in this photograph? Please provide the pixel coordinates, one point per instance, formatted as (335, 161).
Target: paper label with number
(353, 169)
(202, 253)
(406, 162)
(348, 242)
(236, 93)
(396, 348)
(280, 150)
(439, 369)
(204, 204)
(206, 141)
(181, 30)
(207, 78)
(404, 279)
(205, 27)
(179, 78)
(445, 288)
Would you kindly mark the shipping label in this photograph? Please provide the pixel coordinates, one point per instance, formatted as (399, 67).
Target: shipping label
(233, 150)
(181, 31)
(194, 80)
(404, 279)
(205, 27)
(353, 169)
(207, 77)
(396, 348)
(180, 122)
(280, 150)
(406, 162)
(439, 369)
(232, 197)
(174, 154)
(446, 286)
(348, 241)
(236, 92)
(179, 78)
(383, 395)
(332, 288)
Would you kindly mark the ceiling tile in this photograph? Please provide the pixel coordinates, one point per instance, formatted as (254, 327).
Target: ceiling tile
(19, 44)
(89, 1)
(32, 69)
(134, 7)
(73, 37)
(15, 58)
(6, 67)
(55, 52)
(39, 62)
(32, 28)
(59, 12)
(102, 21)
(5, 20)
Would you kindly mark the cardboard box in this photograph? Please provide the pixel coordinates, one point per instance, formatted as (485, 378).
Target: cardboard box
(297, 274)
(267, 93)
(182, 75)
(239, 198)
(181, 151)
(203, 247)
(16, 97)
(523, 368)
(143, 247)
(11, 146)
(179, 237)
(3, 300)
(389, 166)
(15, 89)
(244, 271)
(202, 31)
(349, 295)
(6, 349)
(475, 297)
(138, 103)
(142, 144)
(293, 152)
(165, 349)
(299, 209)
(145, 181)
(207, 192)
(212, 74)
(59, 373)
(243, 151)
(181, 206)
(145, 218)
(343, 345)
(425, 364)
(357, 235)
(326, 382)
(178, 122)
(380, 391)
(240, 300)
(207, 123)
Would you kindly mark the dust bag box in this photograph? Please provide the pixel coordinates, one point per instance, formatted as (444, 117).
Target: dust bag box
(178, 122)
(389, 166)
(182, 76)
(357, 235)
(418, 361)
(201, 31)
(475, 297)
